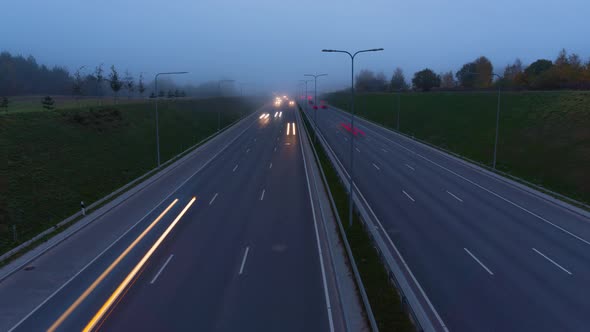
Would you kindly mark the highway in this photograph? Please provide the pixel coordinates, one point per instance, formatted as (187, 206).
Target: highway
(489, 254)
(235, 247)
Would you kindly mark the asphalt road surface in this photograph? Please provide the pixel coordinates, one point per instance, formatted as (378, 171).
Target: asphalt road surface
(234, 248)
(489, 255)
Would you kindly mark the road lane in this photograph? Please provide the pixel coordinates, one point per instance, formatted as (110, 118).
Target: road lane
(281, 287)
(199, 287)
(432, 233)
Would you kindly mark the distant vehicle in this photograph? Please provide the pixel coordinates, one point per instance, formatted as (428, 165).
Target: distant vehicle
(291, 103)
(315, 107)
(323, 106)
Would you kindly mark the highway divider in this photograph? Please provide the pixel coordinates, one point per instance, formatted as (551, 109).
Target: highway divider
(385, 310)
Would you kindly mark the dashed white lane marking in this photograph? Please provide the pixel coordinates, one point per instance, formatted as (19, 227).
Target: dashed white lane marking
(213, 199)
(247, 150)
(410, 167)
(270, 166)
(357, 149)
(552, 261)
(161, 269)
(383, 150)
(275, 149)
(377, 167)
(244, 260)
(408, 196)
(262, 196)
(236, 167)
(479, 262)
(457, 198)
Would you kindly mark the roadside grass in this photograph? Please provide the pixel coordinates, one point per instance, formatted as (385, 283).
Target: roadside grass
(19, 104)
(383, 297)
(544, 137)
(56, 159)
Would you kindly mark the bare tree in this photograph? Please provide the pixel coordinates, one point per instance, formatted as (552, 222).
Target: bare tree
(115, 82)
(77, 85)
(99, 77)
(447, 80)
(398, 80)
(129, 84)
(141, 86)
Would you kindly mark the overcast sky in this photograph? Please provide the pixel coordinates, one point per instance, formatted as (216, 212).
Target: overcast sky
(271, 44)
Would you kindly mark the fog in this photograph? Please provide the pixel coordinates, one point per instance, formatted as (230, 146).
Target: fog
(269, 45)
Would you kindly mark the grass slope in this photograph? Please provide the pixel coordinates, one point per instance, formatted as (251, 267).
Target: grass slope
(53, 160)
(544, 137)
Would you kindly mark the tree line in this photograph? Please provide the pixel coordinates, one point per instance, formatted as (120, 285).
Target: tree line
(24, 76)
(567, 71)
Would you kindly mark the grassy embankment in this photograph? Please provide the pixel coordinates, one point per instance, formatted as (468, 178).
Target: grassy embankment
(52, 160)
(544, 137)
(19, 104)
(384, 300)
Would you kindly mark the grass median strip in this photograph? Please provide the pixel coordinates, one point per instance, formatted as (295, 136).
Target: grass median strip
(383, 297)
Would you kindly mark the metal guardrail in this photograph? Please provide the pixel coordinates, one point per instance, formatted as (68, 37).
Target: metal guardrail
(416, 303)
(356, 274)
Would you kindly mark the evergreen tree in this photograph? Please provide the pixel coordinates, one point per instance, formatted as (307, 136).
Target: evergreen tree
(48, 103)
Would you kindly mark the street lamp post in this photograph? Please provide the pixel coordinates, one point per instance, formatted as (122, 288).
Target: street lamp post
(351, 188)
(242, 89)
(218, 109)
(497, 119)
(500, 78)
(306, 102)
(157, 118)
(315, 99)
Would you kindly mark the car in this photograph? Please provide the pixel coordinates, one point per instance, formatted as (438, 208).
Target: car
(323, 106)
(291, 103)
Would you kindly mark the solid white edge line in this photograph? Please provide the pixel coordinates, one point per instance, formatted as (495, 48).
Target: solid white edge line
(317, 236)
(397, 252)
(262, 196)
(478, 261)
(213, 199)
(481, 187)
(410, 167)
(407, 195)
(552, 261)
(457, 198)
(130, 228)
(244, 261)
(377, 167)
(161, 269)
